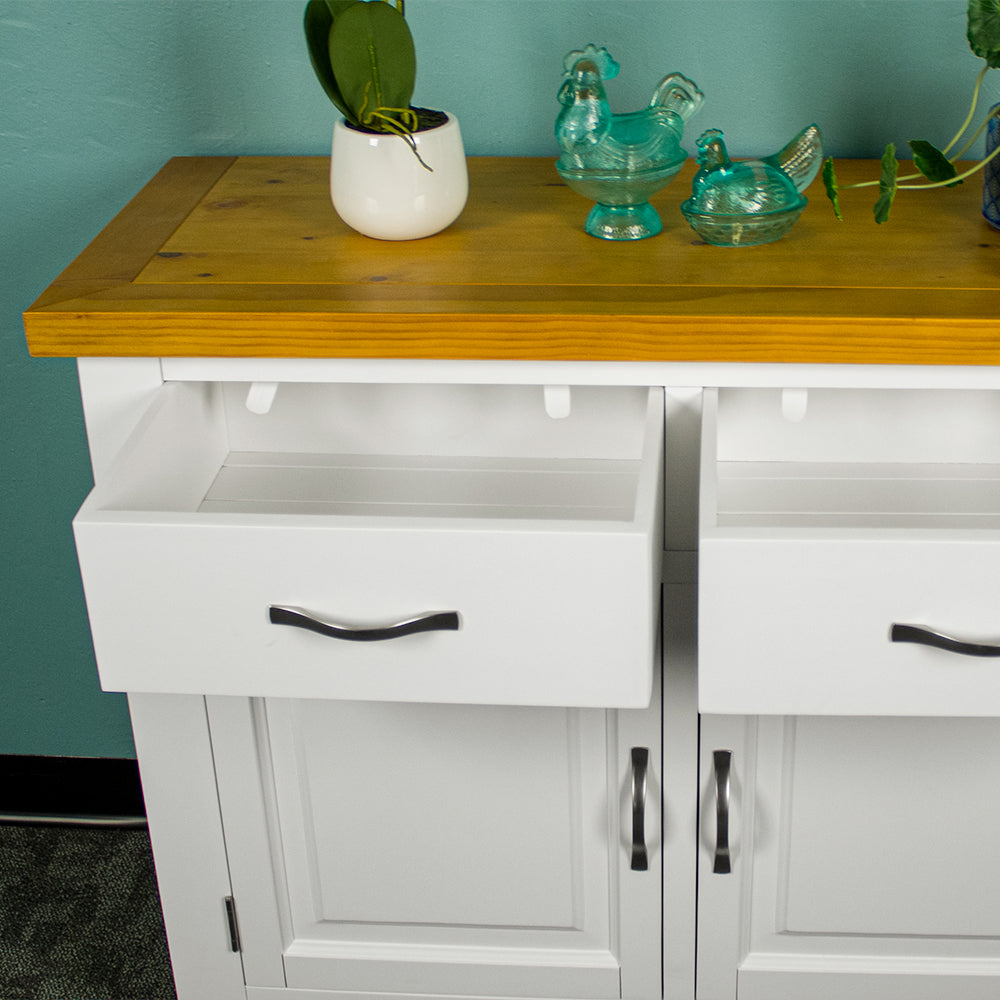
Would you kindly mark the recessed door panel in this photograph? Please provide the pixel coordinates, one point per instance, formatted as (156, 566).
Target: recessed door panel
(443, 849)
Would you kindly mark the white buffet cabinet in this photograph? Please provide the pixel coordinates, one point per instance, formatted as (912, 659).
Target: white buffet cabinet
(536, 792)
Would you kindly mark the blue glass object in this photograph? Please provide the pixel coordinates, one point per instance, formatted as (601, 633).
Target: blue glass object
(991, 174)
(752, 201)
(620, 161)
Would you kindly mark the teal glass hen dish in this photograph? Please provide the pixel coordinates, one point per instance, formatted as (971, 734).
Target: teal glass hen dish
(752, 201)
(620, 161)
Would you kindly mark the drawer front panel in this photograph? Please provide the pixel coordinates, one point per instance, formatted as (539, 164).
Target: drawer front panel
(802, 627)
(544, 618)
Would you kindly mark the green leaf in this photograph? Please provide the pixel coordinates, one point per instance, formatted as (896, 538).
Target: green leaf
(830, 183)
(375, 64)
(984, 30)
(887, 184)
(317, 22)
(931, 162)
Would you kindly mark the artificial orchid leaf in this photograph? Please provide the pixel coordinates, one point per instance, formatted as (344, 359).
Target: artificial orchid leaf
(375, 64)
(830, 183)
(317, 21)
(984, 30)
(931, 162)
(887, 184)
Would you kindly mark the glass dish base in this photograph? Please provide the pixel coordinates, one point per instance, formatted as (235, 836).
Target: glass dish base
(623, 222)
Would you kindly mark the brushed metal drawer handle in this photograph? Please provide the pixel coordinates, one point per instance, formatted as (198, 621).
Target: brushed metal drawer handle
(640, 857)
(928, 637)
(722, 860)
(435, 621)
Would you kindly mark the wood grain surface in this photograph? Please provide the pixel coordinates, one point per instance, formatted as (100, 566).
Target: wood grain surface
(245, 257)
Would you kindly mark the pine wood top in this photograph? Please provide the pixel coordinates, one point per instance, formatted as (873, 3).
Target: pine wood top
(245, 257)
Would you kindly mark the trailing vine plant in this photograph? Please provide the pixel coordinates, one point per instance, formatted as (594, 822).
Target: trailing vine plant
(937, 167)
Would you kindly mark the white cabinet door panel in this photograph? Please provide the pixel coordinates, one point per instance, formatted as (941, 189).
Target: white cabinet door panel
(886, 827)
(440, 849)
(435, 792)
(862, 861)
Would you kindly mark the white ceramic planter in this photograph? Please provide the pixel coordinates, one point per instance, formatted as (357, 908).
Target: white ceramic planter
(380, 189)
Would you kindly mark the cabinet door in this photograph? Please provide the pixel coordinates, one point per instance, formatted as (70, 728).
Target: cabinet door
(861, 860)
(446, 850)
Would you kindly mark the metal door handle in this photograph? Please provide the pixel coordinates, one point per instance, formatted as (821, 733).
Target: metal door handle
(928, 637)
(722, 861)
(436, 621)
(640, 761)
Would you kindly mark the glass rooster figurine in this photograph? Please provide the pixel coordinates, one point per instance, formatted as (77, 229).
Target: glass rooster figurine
(620, 161)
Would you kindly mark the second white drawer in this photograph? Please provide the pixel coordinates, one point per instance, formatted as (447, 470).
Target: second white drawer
(850, 560)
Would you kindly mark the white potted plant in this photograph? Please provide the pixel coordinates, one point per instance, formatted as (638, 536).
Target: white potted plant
(397, 172)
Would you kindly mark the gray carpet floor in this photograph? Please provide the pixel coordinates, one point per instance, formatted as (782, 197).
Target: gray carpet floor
(80, 915)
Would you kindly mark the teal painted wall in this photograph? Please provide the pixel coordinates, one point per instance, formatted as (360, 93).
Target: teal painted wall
(99, 93)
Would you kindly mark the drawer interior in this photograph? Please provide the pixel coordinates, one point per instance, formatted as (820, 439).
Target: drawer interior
(384, 451)
(281, 483)
(856, 459)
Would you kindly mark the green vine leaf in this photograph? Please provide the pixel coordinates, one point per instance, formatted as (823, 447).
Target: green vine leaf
(931, 162)
(887, 184)
(830, 183)
(984, 30)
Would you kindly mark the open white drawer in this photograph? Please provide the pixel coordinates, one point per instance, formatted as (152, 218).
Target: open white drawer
(819, 535)
(528, 547)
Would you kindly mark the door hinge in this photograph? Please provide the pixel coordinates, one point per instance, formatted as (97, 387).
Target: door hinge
(234, 927)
